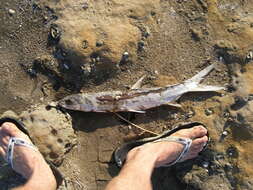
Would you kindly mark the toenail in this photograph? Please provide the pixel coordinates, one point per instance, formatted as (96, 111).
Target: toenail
(205, 138)
(5, 126)
(201, 128)
(10, 128)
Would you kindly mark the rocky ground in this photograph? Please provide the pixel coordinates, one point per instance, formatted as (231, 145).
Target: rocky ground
(50, 49)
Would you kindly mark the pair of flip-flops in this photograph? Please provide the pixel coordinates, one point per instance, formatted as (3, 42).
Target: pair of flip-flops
(21, 142)
(120, 153)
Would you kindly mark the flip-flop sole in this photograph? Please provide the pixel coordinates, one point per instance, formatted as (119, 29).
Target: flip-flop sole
(121, 152)
(20, 125)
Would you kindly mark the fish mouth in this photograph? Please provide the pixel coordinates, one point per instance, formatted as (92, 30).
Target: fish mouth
(70, 104)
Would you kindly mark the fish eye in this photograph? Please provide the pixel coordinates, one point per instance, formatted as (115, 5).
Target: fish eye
(69, 102)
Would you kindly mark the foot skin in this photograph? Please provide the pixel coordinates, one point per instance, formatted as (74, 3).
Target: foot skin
(27, 162)
(166, 152)
(141, 161)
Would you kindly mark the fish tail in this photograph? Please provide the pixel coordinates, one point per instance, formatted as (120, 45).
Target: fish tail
(206, 88)
(193, 84)
(198, 78)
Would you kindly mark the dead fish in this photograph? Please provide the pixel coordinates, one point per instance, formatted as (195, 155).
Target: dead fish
(137, 100)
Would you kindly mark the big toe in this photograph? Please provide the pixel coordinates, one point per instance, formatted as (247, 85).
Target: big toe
(198, 131)
(10, 129)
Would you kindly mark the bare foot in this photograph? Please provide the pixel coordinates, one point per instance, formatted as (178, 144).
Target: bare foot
(26, 161)
(166, 152)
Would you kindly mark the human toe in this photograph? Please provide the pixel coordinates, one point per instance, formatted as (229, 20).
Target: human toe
(9, 129)
(200, 141)
(198, 131)
(12, 130)
(2, 152)
(198, 144)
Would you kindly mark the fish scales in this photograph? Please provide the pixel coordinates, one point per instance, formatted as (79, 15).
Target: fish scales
(136, 100)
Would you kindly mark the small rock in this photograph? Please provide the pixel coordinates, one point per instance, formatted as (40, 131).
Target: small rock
(125, 56)
(99, 43)
(174, 116)
(11, 11)
(208, 112)
(32, 72)
(205, 164)
(190, 114)
(249, 56)
(85, 44)
(66, 66)
(219, 156)
(86, 68)
(224, 133)
(141, 45)
(55, 32)
(97, 59)
(146, 32)
(85, 6)
(250, 97)
(232, 152)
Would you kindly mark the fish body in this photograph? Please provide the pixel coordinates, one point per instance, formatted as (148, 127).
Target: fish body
(136, 100)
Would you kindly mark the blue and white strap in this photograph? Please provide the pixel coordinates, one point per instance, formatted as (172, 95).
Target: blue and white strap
(186, 142)
(16, 141)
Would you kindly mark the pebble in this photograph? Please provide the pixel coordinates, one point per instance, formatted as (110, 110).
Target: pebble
(32, 72)
(208, 112)
(219, 156)
(190, 114)
(66, 66)
(11, 11)
(249, 56)
(225, 133)
(97, 59)
(205, 164)
(232, 152)
(55, 32)
(85, 6)
(141, 45)
(125, 56)
(85, 44)
(250, 97)
(99, 43)
(147, 32)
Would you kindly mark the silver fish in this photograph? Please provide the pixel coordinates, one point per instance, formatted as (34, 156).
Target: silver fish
(137, 100)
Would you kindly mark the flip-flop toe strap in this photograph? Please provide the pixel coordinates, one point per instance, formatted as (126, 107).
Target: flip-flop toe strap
(16, 141)
(186, 142)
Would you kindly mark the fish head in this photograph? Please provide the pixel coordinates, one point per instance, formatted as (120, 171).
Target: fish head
(72, 102)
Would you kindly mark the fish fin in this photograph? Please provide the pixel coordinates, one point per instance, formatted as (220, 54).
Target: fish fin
(193, 84)
(137, 111)
(173, 104)
(198, 78)
(206, 88)
(137, 85)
